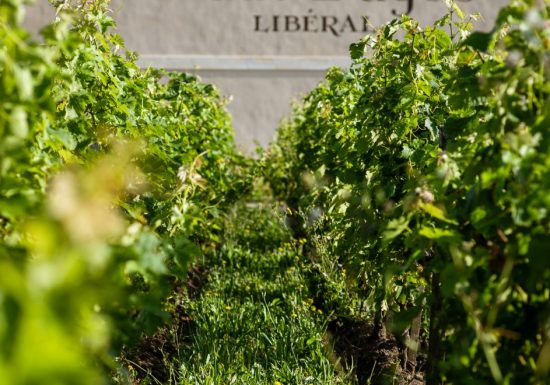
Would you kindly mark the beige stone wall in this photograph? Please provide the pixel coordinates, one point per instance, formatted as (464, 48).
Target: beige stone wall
(262, 53)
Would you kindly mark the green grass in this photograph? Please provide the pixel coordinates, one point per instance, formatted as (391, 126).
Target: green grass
(254, 321)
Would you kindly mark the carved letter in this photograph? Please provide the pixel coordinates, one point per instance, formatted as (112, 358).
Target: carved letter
(410, 6)
(292, 23)
(348, 22)
(309, 20)
(257, 21)
(330, 26)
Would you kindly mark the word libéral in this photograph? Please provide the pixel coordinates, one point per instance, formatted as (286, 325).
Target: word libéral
(310, 23)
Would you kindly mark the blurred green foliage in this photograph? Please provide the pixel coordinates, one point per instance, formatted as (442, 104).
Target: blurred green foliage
(111, 179)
